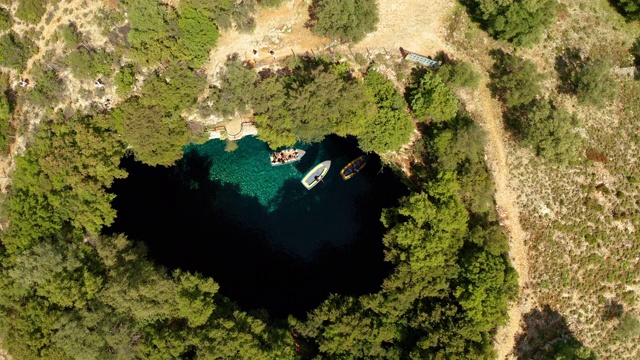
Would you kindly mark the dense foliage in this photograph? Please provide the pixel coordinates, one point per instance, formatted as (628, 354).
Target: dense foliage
(588, 78)
(5, 19)
(125, 79)
(47, 90)
(432, 99)
(459, 74)
(86, 64)
(15, 50)
(6, 111)
(151, 124)
(550, 130)
(312, 99)
(347, 20)
(629, 8)
(514, 80)
(31, 10)
(520, 22)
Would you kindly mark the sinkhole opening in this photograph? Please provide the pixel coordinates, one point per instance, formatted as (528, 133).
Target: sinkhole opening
(255, 229)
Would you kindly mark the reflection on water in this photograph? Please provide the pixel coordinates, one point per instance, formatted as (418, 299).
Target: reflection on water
(255, 229)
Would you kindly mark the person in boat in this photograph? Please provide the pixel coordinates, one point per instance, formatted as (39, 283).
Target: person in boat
(316, 178)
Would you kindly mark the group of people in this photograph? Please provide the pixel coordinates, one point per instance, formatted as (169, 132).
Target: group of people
(284, 156)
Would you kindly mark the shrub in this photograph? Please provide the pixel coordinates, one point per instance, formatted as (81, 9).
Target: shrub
(31, 11)
(70, 35)
(635, 51)
(5, 125)
(629, 327)
(5, 19)
(548, 129)
(85, 64)
(459, 74)
(520, 22)
(48, 88)
(629, 8)
(589, 79)
(514, 80)
(388, 131)
(433, 99)
(347, 20)
(125, 79)
(15, 50)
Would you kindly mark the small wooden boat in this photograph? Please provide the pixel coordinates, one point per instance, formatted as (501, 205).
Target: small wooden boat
(316, 174)
(354, 167)
(286, 156)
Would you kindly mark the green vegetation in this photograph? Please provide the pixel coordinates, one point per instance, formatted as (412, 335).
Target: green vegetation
(550, 130)
(151, 125)
(6, 112)
(629, 8)
(520, 22)
(392, 126)
(15, 50)
(588, 78)
(347, 20)
(125, 79)
(629, 327)
(431, 99)
(459, 74)
(86, 64)
(5, 19)
(31, 11)
(48, 88)
(70, 35)
(515, 81)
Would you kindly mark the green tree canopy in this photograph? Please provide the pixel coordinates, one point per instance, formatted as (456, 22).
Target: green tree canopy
(5, 19)
(629, 8)
(15, 50)
(521, 22)
(31, 11)
(86, 64)
(515, 81)
(347, 20)
(550, 130)
(459, 74)
(433, 99)
(588, 78)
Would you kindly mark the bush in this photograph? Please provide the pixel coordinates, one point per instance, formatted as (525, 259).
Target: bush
(347, 20)
(47, 90)
(85, 64)
(459, 74)
(433, 99)
(514, 80)
(388, 131)
(629, 8)
(5, 125)
(635, 51)
(5, 19)
(15, 50)
(70, 35)
(125, 79)
(629, 327)
(520, 22)
(589, 79)
(548, 129)
(31, 11)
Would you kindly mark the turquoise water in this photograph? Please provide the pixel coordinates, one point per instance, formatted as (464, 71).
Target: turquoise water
(267, 240)
(295, 219)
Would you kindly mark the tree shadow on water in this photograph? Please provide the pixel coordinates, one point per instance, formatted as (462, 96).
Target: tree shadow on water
(546, 335)
(193, 223)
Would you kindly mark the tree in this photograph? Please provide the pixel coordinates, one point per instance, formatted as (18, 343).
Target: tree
(198, 35)
(514, 80)
(347, 20)
(459, 74)
(62, 180)
(5, 19)
(588, 78)
(6, 110)
(550, 130)
(47, 90)
(15, 50)
(629, 8)
(86, 64)
(125, 79)
(520, 22)
(31, 10)
(433, 99)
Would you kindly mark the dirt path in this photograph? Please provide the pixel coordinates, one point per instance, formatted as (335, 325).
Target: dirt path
(485, 110)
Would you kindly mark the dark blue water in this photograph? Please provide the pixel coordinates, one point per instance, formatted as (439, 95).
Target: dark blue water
(255, 229)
